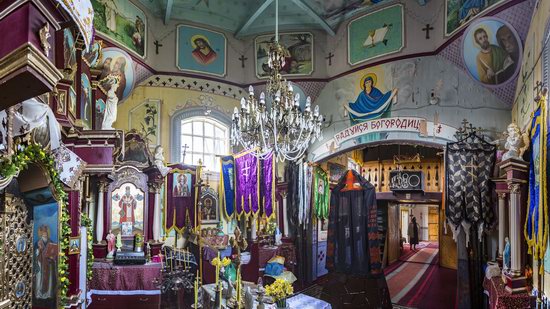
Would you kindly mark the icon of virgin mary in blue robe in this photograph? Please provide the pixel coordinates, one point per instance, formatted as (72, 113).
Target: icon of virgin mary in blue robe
(371, 102)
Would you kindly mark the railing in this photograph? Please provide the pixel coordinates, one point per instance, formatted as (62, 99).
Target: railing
(378, 173)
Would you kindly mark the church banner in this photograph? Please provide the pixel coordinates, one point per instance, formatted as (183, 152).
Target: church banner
(268, 185)
(247, 183)
(320, 193)
(227, 186)
(536, 230)
(396, 124)
(181, 197)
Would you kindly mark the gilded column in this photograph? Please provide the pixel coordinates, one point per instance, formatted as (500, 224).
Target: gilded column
(100, 212)
(515, 228)
(501, 222)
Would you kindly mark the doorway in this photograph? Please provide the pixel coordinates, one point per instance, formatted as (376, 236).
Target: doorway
(427, 219)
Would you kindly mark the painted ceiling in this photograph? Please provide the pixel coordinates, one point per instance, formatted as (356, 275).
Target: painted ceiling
(248, 17)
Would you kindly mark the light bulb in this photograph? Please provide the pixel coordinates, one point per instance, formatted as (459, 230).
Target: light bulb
(250, 90)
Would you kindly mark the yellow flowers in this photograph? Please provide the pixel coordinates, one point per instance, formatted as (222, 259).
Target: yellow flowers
(280, 289)
(217, 262)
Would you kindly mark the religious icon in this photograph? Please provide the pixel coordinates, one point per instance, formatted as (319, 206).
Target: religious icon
(202, 52)
(492, 51)
(181, 185)
(20, 289)
(46, 251)
(21, 244)
(127, 210)
(117, 73)
(460, 12)
(297, 50)
(371, 102)
(209, 210)
(74, 245)
(86, 101)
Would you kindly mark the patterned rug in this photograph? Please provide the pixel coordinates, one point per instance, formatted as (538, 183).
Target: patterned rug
(417, 281)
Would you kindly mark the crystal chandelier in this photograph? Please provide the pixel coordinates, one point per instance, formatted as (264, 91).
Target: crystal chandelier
(279, 125)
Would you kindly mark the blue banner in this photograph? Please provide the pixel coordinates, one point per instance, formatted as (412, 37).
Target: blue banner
(227, 186)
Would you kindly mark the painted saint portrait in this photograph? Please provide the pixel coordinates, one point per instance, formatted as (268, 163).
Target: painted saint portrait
(123, 22)
(460, 12)
(297, 50)
(492, 51)
(127, 207)
(117, 73)
(21, 244)
(371, 102)
(92, 56)
(209, 210)
(74, 245)
(72, 102)
(181, 185)
(376, 34)
(200, 50)
(86, 101)
(69, 54)
(20, 289)
(45, 255)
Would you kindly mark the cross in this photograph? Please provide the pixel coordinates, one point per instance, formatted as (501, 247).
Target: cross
(184, 148)
(242, 60)
(538, 88)
(157, 45)
(329, 57)
(427, 29)
(471, 166)
(246, 170)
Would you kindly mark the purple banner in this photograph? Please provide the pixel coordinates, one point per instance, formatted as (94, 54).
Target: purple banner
(246, 167)
(268, 185)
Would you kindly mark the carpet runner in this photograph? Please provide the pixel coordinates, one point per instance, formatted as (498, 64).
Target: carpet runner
(417, 281)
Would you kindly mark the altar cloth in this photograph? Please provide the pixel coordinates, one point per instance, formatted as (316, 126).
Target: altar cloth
(298, 301)
(110, 279)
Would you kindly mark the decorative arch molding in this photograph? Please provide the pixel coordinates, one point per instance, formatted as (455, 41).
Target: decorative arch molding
(175, 126)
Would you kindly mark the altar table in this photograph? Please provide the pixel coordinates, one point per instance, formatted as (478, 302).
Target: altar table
(500, 299)
(299, 301)
(127, 285)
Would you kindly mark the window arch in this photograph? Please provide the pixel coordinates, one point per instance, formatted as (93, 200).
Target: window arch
(206, 137)
(546, 56)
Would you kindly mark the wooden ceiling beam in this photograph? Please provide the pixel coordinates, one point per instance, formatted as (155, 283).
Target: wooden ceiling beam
(168, 12)
(318, 19)
(244, 28)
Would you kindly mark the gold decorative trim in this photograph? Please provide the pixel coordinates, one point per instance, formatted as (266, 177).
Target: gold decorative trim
(28, 55)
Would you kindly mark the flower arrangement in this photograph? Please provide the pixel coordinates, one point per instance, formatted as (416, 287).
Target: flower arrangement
(19, 161)
(223, 262)
(279, 291)
(87, 222)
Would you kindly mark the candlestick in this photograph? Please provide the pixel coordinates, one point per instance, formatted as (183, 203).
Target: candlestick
(196, 290)
(172, 260)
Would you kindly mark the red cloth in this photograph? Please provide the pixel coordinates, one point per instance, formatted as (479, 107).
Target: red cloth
(110, 277)
(500, 299)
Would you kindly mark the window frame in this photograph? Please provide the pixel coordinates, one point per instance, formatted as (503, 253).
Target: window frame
(177, 120)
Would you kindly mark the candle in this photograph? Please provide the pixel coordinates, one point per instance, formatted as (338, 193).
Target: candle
(172, 260)
(218, 269)
(196, 290)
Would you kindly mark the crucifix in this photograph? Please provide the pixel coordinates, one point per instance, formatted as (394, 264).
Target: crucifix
(538, 88)
(157, 45)
(243, 59)
(427, 29)
(329, 57)
(184, 148)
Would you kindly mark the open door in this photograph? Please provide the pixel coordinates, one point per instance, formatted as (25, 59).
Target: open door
(433, 224)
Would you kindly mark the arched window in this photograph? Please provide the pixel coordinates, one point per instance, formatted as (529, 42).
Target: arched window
(202, 136)
(205, 139)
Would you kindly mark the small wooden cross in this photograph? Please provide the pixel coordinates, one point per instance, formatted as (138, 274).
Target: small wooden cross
(427, 29)
(243, 59)
(184, 148)
(538, 88)
(329, 57)
(157, 45)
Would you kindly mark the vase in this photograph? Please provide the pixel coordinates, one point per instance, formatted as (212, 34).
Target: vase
(281, 303)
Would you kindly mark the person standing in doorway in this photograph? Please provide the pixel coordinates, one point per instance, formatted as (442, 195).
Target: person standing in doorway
(413, 234)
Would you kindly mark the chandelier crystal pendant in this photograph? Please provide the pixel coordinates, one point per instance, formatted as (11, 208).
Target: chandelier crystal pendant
(279, 126)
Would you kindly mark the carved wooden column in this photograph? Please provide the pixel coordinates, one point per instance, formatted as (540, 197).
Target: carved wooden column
(501, 222)
(155, 180)
(154, 192)
(100, 247)
(515, 229)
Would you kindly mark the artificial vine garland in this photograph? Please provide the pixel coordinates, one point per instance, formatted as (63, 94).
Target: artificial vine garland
(19, 161)
(87, 222)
